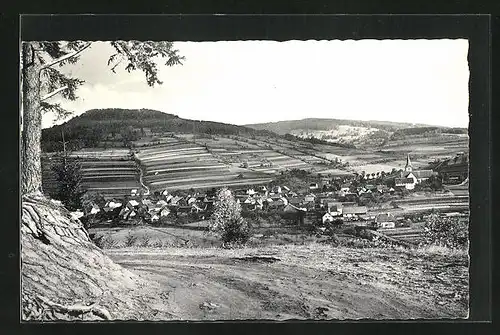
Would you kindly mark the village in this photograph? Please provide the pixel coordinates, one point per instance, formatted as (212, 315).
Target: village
(364, 200)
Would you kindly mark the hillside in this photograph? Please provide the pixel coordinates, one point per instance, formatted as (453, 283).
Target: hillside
(118, 127)
(67, 277)
(362, 133)
(284, 127)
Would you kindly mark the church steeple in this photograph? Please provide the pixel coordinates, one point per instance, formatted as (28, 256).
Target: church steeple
(408, 167)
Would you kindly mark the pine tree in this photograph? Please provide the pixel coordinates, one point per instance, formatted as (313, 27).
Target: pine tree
(69, 177)
(41, 79)
(226, 220)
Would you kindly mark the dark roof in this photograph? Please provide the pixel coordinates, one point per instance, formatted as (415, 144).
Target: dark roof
(355, 210)
(384, 218)
(404, 181)
(421, 173)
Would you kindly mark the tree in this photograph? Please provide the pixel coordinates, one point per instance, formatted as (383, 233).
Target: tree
(226, 220)
(450, 232)
(41, 80)
(69, 177)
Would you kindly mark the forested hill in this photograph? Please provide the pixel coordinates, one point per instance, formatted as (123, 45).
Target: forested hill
(124, 125)
(284, 127)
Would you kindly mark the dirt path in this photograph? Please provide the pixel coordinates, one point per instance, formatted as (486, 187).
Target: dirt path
(303, 282)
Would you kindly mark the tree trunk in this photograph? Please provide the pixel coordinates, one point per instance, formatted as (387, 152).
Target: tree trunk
(31, 170)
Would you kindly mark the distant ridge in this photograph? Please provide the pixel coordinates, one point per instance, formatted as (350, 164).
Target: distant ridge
(284, 127)
(96, 125)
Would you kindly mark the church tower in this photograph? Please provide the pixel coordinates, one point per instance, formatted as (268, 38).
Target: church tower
(408, 167)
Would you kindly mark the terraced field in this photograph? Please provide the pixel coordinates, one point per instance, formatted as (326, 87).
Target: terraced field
(180, 164)
(111, 173)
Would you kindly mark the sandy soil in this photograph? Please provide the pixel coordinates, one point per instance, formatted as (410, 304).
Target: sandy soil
(303, 282)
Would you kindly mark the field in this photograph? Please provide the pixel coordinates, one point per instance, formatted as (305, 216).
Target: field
(180, 164)
(185, 161)
(309, 281)
(111, 173)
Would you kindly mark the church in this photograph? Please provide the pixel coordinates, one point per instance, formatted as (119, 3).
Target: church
(409, 177)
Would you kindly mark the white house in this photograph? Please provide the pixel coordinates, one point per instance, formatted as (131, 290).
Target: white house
(309, 198)
(328, 218)
(385, 220)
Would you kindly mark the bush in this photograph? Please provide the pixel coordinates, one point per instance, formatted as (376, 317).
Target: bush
(68, 176)
(447, 232)
(227, 222)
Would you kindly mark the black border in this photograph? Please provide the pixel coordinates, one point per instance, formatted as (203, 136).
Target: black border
(282, 27)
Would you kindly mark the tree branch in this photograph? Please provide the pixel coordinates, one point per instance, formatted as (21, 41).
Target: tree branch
(65, 57)
(60, 89)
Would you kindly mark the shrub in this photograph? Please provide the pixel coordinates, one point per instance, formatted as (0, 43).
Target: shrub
(447, 232)
(227, 222)
(69, 177)
(130, 239)
(105, 242)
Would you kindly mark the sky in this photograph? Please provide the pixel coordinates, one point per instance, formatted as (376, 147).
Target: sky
(243, 82)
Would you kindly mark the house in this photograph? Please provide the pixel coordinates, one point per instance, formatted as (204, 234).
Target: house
(132, 203)
(310, 198)
(133, 192)
(408, 183)
(353, 212)
(350, 197)
(276, 190)
(335, 208)
(278, 204)
(382, 188)
(385, 220)
(125, 211)
(164, 212)
(174, 200)
(161, 203)
(184, 209)
(148, 203)
(455, 169)
(313, 186)
(251, 192)
(327, 218)
(95, 209)
(327, 200)
(286, 189)
(325, 180)
(345, 188)
(295, 213)
(293, 209)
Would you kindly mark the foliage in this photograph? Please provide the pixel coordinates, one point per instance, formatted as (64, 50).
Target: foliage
(96, 125)
(130, 239)
(434, 183)
(314, 140)
(450, 232)
(69, 177)
(226, 220)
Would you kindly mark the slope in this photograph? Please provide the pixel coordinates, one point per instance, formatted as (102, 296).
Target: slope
(66, 277)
